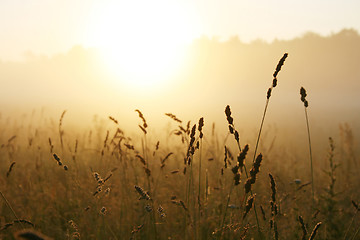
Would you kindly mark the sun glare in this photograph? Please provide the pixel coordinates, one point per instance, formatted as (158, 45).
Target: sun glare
(142, 42)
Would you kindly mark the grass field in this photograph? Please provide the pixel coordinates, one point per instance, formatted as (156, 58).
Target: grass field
(101, 183)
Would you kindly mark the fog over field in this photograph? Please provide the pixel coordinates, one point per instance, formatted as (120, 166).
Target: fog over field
(68, 119)
(179, 119)
(215, 73)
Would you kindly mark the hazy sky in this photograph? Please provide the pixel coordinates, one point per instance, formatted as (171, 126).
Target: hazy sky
(52, 26)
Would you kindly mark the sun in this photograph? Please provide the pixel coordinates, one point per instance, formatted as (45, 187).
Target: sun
(142, 42)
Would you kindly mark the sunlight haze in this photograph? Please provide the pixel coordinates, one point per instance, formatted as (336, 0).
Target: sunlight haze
(179, 119)
(184, 57)
(141, 42)
(50, 27)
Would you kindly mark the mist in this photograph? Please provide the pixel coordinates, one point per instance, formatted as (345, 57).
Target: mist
(215, 74)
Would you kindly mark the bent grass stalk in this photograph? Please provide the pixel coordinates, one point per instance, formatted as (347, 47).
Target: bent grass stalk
(268, 95)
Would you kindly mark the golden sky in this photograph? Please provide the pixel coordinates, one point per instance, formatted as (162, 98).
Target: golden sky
(52, 26)
(111, 57)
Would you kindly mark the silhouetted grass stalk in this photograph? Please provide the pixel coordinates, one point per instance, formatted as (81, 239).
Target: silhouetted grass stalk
(11, 209)
(310, 152)
(256, 215)
(234, 132)
(244, 199)
(61, 132)
(190, 185)
(261, 126)
(268, 95)
(199, 197)
(306, 104)
(200, 126)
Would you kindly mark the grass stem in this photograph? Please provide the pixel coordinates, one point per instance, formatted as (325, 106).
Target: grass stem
(11, 209)
(311, 158)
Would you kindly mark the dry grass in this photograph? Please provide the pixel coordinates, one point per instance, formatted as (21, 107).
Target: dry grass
(110, 185)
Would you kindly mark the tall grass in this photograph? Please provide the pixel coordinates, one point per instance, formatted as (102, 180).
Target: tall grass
(268, 95)
(306, 105)
(105, 183)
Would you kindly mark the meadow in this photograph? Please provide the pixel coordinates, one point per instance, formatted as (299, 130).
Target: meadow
(102, 183)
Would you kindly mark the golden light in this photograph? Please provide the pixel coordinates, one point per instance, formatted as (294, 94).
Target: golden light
(142, 42)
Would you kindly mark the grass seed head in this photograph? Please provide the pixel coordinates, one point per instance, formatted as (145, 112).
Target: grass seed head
(142, 193)
(237, 178)
(231, 129)
(249, 204)
(235, 169)
(280, 64)
(268, 94)
(10, 169)
(274, 82)
(147, 171)
(200, 127)
(303, 97)
(142, 160)
(56, 157)
(273, 187)
(173, 117)
(225, 157)
(113, 119)
(193, 130)
(303, 94)
(141, 116)
(242, 156)
(236, 135)
(247, 185)
(228, 115)
(201, 124)
(257, 163)
(103, 210)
